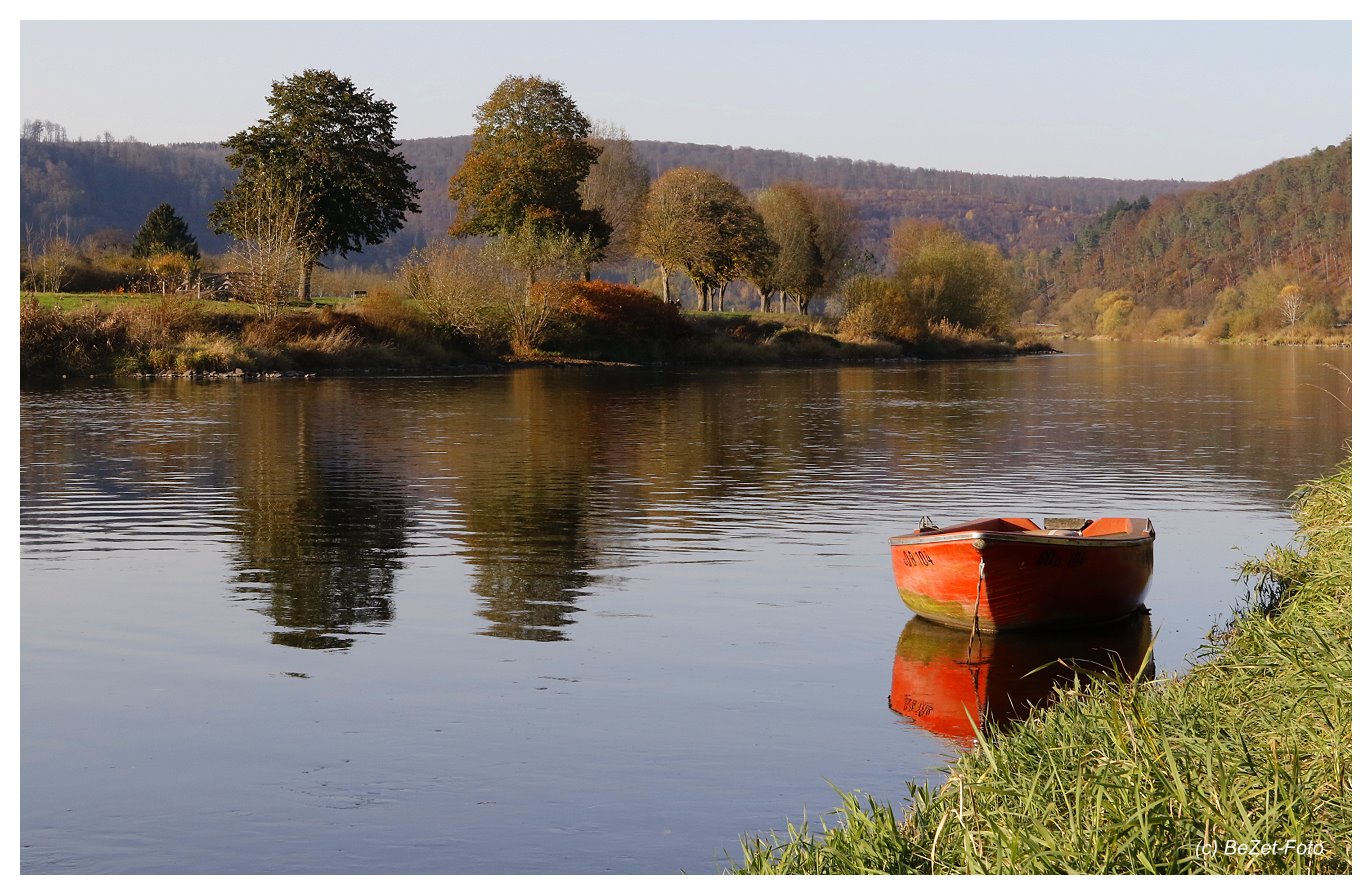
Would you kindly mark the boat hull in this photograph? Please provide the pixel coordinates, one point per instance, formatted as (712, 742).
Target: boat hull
(1024, 577)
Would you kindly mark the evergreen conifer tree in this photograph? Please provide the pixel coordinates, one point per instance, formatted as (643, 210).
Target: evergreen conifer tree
(164, 231)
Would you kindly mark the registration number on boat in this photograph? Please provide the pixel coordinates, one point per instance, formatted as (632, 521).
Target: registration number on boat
(917, 558)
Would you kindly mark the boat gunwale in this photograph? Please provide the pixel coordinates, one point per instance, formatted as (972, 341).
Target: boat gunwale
(1119, 539)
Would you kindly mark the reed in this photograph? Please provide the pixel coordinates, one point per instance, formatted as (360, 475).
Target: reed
(1241, 765)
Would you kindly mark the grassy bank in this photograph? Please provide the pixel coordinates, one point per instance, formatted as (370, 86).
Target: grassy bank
(1339, 338)
(780, 338)
(180, 335)
(1243, 764)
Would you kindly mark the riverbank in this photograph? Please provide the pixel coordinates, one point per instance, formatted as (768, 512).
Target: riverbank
(1292, 338)
(182, 336)
(1241, 765)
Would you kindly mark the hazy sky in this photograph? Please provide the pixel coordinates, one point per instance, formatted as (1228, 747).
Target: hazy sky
(1186, 100)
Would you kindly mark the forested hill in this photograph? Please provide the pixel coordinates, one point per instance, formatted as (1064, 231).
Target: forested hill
(754, 169)
(1181, 251)
(79, 189)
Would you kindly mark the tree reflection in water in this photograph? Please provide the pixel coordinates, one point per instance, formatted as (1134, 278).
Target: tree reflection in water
(529, 564)
(322, 523)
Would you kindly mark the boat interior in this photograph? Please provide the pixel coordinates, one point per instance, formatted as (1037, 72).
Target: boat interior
(1058, 526)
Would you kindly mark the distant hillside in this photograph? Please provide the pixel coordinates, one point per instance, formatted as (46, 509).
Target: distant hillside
(79, 189)
(82, 188)
(1181, 251)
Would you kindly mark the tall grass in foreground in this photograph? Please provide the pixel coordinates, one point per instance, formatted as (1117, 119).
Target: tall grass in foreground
(1242, 765)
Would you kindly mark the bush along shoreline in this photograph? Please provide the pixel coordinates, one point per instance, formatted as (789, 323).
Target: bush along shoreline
(563, 323)
(1241, 765)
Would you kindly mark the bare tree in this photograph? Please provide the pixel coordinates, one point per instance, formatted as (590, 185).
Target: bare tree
(267, 253)
(1292, 304)
(480, 294)
(47, 260)
(44, 131)
(616, 186)
(466, 290)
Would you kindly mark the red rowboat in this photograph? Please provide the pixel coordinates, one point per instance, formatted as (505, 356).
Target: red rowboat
(950, 684)
(1002, 574)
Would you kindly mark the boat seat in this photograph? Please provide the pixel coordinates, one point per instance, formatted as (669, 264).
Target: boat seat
(1062, 532)
(1075, 523)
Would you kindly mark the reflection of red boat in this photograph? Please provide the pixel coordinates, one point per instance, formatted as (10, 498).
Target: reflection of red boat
(945, 682)
(1000, 574)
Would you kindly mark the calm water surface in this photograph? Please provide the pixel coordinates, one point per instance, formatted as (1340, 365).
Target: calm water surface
(568, 621)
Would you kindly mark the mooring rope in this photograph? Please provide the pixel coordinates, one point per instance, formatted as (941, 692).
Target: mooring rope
(976, 609)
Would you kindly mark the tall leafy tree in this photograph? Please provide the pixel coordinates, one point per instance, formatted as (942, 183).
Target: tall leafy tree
(789, 216)
(672, 231)
(333, 145)
(697, 222)
(740, 243)
(813, 231)
(530, 153)
(164, 231)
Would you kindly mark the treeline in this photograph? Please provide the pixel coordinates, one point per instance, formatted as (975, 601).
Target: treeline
(85, 189)
(1268, 250)
(1266, 254)
(756, 168)
(540, 198)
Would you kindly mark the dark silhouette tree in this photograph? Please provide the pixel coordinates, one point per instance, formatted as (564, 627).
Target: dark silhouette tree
(333, 145)
(164, 232)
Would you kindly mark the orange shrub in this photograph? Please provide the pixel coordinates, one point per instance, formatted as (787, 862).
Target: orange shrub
(601, 318)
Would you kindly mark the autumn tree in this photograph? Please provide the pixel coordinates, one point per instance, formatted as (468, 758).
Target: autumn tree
(812, 229)
(794, 269)
(835, 238)
(331, 146)
(671, 231)
(164, 232)
(540, 253)
(530, 153)
(939, 276)
(739, 245)
(949, 277)
(700, 224)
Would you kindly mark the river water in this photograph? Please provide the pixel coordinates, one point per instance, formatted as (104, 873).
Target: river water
(565, 620)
